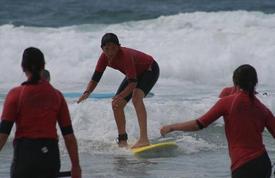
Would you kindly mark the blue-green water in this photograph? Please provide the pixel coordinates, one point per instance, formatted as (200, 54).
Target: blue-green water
(52, 13)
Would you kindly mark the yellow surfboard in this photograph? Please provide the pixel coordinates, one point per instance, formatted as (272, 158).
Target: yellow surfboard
(161, 149)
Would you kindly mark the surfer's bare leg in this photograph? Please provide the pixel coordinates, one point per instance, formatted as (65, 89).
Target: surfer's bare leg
(120, 121)
(137, 100)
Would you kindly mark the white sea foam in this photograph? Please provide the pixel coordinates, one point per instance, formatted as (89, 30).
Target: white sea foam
(197, 47)
(194, 50)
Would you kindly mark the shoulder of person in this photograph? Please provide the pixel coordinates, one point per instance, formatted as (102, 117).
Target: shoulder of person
(128, 51)
(226, 91)
(15, 90)
(58, 92)
(14, 93)
(102, 57)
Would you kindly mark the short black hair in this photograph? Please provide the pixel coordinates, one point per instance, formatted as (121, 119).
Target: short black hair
(109, 38)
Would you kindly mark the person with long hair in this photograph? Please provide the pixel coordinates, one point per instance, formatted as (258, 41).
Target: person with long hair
(245, 118)
(36, 107)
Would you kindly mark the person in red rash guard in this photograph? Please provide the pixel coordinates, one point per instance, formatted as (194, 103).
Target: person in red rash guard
(141, 73)
(36, 107)
(245, 119)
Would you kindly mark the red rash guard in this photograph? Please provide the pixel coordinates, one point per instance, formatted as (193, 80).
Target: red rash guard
(245, 120)
(36, 109)
(130, 62)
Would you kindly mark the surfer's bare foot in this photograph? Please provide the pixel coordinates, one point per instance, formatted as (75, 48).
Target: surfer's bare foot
(141, 144)
(123, 144)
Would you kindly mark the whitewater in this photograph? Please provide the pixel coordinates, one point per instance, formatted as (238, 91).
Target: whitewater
(197, 53)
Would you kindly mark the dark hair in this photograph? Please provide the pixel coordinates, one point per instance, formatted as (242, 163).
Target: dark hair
(45, 74)
(33, 61)
(234, 77)
(109, 38)
(245, 76)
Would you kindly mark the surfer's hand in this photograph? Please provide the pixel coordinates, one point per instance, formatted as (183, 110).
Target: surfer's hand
(165, 130)
(84, 96)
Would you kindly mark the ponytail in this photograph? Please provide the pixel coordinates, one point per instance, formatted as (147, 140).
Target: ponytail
(251, 90)
(35, 77)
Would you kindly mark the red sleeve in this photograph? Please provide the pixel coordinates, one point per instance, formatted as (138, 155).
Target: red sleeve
(64, 118)
(270, 123)
(10, 108)
(213, 114)
(101, 63)
(130, 67)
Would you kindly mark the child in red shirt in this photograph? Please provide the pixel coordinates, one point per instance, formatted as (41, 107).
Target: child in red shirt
(36, 107)
(245, 118)
(141, 73)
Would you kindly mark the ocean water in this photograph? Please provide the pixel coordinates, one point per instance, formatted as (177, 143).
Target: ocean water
(197, 44)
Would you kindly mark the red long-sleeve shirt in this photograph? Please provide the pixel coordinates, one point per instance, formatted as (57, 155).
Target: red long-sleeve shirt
(245, 120)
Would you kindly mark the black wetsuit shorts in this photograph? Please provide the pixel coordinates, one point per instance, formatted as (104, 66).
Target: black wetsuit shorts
(35, 158)
(145, 81)
(257, 168)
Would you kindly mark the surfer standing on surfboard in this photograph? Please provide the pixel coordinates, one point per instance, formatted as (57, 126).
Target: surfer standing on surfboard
(141, 73)
(245, 118)
(36, 107)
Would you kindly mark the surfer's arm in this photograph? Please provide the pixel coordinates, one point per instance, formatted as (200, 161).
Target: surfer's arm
(192, 125)
(93, 82)
(9, 112)
(90, 88)
(5, 129)
(99, 70)
(186, 126)
(71, 145)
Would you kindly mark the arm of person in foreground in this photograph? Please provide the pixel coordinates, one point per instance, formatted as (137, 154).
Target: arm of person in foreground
(5, 129)
(90, 88)
(219, 109)
(3, 140)
(71, 145)
(192, 125)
